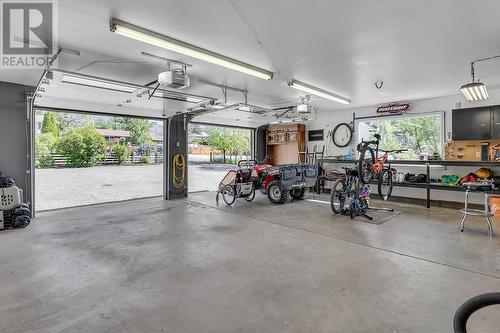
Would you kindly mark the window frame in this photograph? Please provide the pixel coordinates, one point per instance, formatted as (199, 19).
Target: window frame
(441, 114)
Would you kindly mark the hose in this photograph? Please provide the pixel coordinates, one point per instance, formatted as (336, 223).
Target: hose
(179, 166)
(468, 308)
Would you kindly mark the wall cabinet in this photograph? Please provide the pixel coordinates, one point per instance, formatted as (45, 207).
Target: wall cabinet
(284, 142)
(476, 123)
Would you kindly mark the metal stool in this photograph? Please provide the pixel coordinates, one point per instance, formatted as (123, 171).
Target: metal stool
(482, 187)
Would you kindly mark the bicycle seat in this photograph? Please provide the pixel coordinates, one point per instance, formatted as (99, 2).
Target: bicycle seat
(352, 172)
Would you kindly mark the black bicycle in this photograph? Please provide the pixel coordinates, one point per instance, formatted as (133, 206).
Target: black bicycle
(371, 166)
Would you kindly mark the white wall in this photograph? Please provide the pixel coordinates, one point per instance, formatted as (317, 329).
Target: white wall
(328, 120)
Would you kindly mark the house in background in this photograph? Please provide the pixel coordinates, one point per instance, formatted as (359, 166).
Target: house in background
(113, 137)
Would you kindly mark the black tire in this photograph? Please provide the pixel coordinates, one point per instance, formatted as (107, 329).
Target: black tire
(20, 221)
(337, 196)
(472, 305)
(250, 196)
(342, 142)
(385, 184)
(352, 210)
(229, 194)
(276, 194)
(365, 164)
(298, 193)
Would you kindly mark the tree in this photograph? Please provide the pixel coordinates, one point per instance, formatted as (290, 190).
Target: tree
(83, 146)
(44, 147)
(219, 138)
(139, 131)
(49, 124)
(234, 141)
(67, 121)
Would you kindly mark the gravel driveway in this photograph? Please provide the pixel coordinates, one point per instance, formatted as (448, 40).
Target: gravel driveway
(68, 187)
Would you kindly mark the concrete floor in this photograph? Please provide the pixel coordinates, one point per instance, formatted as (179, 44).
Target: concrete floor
(70, 187)
(192, 266)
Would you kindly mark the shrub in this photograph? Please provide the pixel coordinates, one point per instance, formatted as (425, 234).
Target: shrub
(144, 159)
(83, 146)
(44, 147)
(121, 153)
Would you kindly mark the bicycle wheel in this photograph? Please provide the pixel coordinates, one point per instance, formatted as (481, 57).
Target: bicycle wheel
(337, 197)
(352, 210)
(342, 135)
(365, 164)
(385, 184)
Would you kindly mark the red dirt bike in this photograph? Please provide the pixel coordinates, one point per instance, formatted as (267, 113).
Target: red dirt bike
(277, 182)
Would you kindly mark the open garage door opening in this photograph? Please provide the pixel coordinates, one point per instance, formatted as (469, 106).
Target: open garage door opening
(84, 159)
(213, 151)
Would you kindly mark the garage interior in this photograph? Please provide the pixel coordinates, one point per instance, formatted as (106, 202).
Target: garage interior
(293, 238)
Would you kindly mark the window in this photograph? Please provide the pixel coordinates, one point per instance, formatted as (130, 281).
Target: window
(421, 134)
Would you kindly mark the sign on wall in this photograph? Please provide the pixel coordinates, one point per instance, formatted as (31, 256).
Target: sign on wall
(394, 108)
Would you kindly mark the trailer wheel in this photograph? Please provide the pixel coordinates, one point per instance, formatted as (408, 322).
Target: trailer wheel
(298, 193)
(250, 196)
(229, 194)
(276, 194)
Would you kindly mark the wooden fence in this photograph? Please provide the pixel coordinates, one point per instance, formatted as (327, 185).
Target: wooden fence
(61, 161)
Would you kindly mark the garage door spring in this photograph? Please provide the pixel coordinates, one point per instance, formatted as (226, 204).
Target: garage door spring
(178, 171)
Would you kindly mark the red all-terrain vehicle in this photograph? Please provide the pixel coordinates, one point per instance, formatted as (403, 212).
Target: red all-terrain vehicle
(277, 182)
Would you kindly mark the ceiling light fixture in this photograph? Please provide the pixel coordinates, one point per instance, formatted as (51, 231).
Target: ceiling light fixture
(93, 83)
(474, 91)
(172, 44)
(318, 92)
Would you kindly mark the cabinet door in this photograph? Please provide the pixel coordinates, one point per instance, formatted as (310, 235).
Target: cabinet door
(495, 122)
(472, 124)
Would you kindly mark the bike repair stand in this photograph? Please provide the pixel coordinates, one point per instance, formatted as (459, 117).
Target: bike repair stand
(382, 209)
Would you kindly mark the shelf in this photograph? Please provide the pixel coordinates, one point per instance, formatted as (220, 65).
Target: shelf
(427, 164)
(419, 162)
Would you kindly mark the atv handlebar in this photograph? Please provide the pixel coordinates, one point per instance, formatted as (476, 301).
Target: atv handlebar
(247, 162)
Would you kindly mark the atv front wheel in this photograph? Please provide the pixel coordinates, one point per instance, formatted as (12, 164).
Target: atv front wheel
(276, 194)
(298, 193)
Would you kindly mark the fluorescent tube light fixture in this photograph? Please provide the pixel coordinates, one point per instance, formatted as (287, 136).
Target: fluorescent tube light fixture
(172, 44)
(94, 83)
(475, 91)
(318, 92)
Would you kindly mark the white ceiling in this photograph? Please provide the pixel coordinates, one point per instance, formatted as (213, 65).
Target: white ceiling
(419, 48)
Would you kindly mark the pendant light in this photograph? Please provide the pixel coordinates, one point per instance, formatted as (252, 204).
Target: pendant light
(474, 91)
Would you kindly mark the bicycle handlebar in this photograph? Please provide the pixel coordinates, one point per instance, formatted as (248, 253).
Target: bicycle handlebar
(394, 150)
(371, 142)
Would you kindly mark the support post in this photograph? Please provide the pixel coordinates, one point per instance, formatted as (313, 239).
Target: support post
(428, 188)
(176, 157)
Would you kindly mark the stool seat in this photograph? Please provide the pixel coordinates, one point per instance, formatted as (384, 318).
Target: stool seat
(485, 212)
